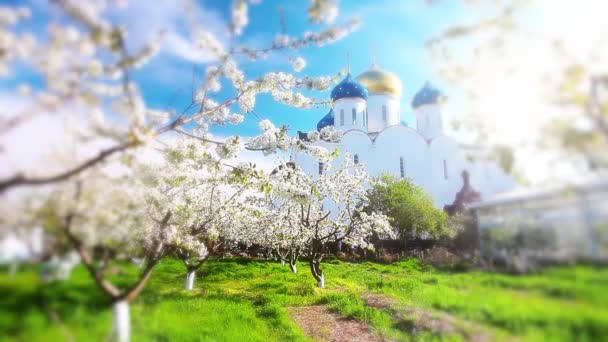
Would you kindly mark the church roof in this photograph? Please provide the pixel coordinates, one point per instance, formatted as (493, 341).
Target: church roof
(348, 88)
(327, 120)
(378, 81)
(427, 95)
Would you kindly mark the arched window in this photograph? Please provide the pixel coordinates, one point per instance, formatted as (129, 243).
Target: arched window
(341, 117)
(445, 169)
(356, 159)
(354, 117)
(401, 167)
(384, 119)
(321, 168)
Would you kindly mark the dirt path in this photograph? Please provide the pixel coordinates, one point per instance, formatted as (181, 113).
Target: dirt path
(323, 325)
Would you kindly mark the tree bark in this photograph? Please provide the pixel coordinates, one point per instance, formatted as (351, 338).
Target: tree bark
(20, 179)
(317, 273)
(293, 266)
(293, 260)
(315, 264)
(282, 262)
(190, 276)
(122, 321)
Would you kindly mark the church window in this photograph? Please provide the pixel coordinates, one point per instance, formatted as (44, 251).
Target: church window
(341, 117)
(356, 159)
(445, 169)
(321, 168)
(354, 116)
(384, 114)
(401, 167)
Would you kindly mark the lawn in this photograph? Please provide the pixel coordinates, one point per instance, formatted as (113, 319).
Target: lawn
(248, 300)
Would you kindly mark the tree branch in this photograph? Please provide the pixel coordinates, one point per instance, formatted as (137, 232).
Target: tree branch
(20, 180)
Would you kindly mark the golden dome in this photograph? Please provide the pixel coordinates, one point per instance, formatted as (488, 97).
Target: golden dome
(377, 81)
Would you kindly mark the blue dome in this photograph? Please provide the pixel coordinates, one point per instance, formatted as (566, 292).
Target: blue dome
(427, 95)
(348, 88)
(327, 120)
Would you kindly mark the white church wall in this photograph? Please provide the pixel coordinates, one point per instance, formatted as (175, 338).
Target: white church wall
(375, 104)
(479, 177)
(343, 114)
(423, 163)
(488, 178)
(429, 121)
(447, 166)
(357, 143)
(308, 163)
(397, 142)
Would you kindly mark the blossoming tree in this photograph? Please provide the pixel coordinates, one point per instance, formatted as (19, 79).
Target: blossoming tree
(314, 211)
(105, 221)
(203, 193)
(83, 66)
(271, 224)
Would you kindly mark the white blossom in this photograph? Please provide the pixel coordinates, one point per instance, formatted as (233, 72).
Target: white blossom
(240, 17)
(298, 64)
(323, 11)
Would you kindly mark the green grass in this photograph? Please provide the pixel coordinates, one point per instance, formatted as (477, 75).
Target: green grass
(246, 300)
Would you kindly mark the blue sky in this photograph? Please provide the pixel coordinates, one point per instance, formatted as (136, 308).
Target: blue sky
(512, 90)
(396, 29)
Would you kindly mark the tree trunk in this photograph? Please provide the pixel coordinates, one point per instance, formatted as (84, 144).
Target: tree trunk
(283, 262)
(315, 266)
(293, 266)
(190, 276)
(122, 321)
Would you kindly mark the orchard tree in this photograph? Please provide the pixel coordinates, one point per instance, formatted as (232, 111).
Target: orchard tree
(271, 224)
(410, 210)
(327, 208)
(203, 193)
(82, 70)
(105, 220)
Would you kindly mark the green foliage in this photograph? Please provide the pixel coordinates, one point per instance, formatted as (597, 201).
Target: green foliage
(409, 208)
(504, 157)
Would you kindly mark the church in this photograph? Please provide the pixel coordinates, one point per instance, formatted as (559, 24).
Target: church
(367, 109)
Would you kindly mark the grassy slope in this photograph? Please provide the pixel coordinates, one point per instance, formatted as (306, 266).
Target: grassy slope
(242, 300)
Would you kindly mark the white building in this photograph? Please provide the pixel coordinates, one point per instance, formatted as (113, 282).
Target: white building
(368, 110)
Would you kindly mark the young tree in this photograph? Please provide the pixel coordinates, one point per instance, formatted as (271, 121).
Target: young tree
(273, 226)
(323, 209)
(409, 208)
(203, 193)
(105, 221)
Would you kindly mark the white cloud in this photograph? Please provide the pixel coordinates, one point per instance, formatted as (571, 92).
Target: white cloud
(178, 46)
(144, 20)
